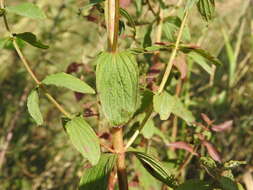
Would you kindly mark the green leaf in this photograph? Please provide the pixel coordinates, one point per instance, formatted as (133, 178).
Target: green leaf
(165, 104)
(84, 139)
(155, 168)
(28, 10)
(3, 42)
(33, 106)
(97, 177)
(194, 185)
(147, 181)
(68, 81)
(31, 39)
(148, 129)
(117, 81)
(201, 61)
(227, 184)
(129, 18)
(147, 41)
(171, 26)
(2, 12)
(138, 5)
(190, 4)
(206, 8)
(233, 164)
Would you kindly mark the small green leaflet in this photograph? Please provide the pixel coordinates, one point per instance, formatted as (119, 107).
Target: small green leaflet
(117, 80)
(97, 177)
(155, 168)
(147, 41)
(165, 104)
(171, 26)
(207, 9)
(190, 4)
(194, 185)
(227, 183)
(130, 19)
(68, 81)
(33, 106)
(28, 10)
(2, 12)
(148, 129)
(84, 139)
(3, 42)
(31, 39)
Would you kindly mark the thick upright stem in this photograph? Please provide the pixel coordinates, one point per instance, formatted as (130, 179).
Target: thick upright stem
(112, 22)
(112, 14)
(118, 145)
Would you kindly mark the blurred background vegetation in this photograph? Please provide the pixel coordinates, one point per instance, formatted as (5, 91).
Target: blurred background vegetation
(41, 157)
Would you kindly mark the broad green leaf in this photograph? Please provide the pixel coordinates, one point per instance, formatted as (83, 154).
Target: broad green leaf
(201, 61)
(206, 8)
(28, 10)
(33, 106)
(129, 18)
(165, 104)
(31, 39)
(97, 176)
(155, 168)
(194, 185)
(68, 81)
(117, 77)
(84, 139)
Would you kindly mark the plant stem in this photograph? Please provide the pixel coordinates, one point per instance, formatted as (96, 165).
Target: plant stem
(119, 148)
(173, 55)
(112, 24)
(28, 68)
(112, 21)
(164, 80)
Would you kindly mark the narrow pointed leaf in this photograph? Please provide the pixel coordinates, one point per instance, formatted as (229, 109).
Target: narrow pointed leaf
(84, 139)
(97, 177)
(201, 61)
(223, 126)
(129, 18)
(31, 39)
(117, 78)
(184, 146)
(147, 181)
(212, 151)
(68, 81)
(33, 107)
(28, 10)
(155, 168)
